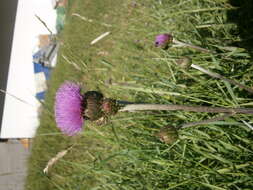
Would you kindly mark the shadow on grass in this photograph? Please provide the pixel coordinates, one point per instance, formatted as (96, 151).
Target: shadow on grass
(243, 17)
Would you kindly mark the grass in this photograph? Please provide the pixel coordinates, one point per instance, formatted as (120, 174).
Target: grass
(125, 153)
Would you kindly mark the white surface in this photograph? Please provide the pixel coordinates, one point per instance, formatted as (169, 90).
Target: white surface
(54, 61)
(40, 81)
(20, 120)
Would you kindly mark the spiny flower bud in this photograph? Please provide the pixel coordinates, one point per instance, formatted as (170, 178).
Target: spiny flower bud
(168, 135)
(110, 106)
(184, 62)
(93, 101)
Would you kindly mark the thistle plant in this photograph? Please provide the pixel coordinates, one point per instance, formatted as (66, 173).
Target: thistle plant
(166, 40)
(72, 108)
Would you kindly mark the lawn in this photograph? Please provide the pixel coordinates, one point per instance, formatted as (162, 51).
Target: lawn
(125, 153)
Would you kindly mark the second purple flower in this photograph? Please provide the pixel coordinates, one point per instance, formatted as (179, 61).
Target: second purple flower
(163, 40)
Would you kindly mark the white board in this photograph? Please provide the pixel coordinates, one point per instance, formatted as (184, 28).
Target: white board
(20, 118)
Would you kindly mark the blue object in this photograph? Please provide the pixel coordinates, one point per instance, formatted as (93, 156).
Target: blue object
(41, 70)
(41, 95)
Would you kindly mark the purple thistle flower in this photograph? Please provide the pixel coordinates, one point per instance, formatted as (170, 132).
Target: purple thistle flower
(162, 40)
(68, 108)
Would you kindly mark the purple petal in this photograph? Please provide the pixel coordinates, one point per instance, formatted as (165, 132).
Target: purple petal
(163, 39)
(68, 108)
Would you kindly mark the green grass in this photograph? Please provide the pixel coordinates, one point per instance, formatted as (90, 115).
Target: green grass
(125, 153)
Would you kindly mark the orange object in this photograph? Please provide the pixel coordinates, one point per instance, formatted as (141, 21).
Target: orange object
(44, 40)
(25, 142)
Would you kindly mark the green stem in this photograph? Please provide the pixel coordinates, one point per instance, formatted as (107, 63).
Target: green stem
(206, 121)
(182, 44)
(216, 75)
(169, 107)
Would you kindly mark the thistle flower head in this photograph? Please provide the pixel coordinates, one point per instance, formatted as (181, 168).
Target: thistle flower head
(162, 40)
(68, 108)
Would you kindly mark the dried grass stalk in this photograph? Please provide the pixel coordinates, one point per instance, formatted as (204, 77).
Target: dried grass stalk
(53, 160)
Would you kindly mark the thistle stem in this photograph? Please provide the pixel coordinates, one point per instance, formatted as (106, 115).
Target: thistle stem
(182, 44)
(216, 75)
(123, 103)
(169, 107)
(206, 121)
